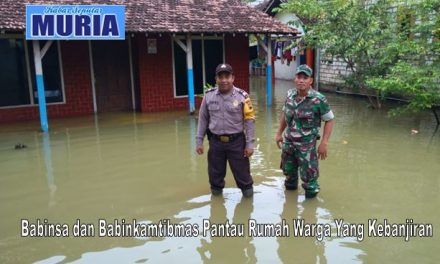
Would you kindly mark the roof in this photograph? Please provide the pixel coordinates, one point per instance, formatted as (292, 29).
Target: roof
(175, 16)
(267, 7)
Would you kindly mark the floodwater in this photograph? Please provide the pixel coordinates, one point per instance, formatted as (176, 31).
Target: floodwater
(128, 166)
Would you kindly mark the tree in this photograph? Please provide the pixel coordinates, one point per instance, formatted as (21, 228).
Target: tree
(248, 1)
(389, 46)
(416, 74)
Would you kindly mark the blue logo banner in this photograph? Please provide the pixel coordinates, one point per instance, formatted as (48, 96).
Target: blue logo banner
(75, 22)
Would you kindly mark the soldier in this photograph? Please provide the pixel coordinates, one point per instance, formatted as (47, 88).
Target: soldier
(227, 117)
(300, 120)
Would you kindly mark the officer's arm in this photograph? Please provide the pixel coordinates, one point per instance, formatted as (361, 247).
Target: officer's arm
(203, 123)
(249, 123)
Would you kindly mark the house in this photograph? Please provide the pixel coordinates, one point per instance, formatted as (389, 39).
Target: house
(146, 72)
(286, 60)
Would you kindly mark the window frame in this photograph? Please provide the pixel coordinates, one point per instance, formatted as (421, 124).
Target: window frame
(29, 72)
(202, 38)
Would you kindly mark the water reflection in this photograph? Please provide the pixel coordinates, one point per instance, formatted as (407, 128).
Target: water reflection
(318, 248)
(235, 209)
(218, 249)
(304, 250)
(47, 154)
(143, 167)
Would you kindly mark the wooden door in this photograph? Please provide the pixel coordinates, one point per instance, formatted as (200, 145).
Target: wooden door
(112, 75)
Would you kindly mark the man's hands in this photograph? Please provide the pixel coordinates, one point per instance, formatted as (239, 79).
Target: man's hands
(279, 140)
(199, 149)
(322, 151)
(248, 152)
(322, 148)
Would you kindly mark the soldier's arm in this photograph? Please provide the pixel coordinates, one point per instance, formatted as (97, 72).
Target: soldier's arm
(328, 117)
(322, 148)
(328, 127)
(282, 125)
(203, 123)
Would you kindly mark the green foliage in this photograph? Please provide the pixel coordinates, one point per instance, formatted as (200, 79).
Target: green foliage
(420, 84)
(207, 87)
(416, 74)
(389, 46)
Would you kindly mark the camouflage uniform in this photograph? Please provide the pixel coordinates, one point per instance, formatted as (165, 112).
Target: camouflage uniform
(303, 118)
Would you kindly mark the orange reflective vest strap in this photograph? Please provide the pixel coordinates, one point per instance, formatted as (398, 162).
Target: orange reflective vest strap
(248, 109)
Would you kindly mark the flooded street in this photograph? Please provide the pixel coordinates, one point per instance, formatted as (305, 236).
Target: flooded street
(144, 167)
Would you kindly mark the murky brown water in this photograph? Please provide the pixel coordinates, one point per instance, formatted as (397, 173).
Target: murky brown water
(143, 167)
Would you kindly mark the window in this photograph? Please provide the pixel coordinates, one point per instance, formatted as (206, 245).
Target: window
(207, 54)
(51, 72)
(213, 57)
(17, 72)
(14, 85)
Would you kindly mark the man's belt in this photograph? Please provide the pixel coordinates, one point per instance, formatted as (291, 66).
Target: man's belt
(228, 137)
(304, 139)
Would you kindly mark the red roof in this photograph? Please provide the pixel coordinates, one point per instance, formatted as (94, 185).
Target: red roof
(176, 16)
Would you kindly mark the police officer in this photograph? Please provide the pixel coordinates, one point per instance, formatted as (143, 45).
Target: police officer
(227, 117)
(300, 120)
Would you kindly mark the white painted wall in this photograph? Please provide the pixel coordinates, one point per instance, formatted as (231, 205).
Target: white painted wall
(282, 71)
(287, 17)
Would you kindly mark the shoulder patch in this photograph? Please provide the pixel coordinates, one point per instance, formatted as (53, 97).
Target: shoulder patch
(242, 92)
(211, 90)
(320, 96)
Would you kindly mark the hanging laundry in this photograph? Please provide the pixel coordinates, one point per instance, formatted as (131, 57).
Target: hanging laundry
(293, 52)
(287, 54)
(274, 48)
(279, 50)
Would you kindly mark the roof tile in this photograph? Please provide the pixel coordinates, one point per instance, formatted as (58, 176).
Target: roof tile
(176, 16)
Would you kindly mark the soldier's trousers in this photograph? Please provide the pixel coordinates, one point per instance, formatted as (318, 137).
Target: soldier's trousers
(300, 156)
(219, 154)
